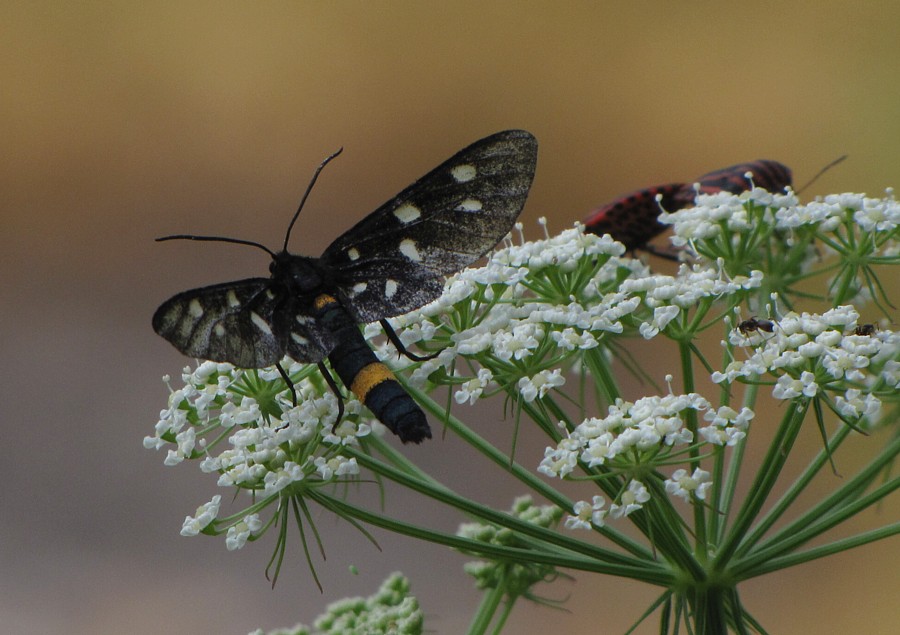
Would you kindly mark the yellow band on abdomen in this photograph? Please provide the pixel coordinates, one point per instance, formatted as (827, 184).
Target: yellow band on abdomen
(324, 300)
(368, 377)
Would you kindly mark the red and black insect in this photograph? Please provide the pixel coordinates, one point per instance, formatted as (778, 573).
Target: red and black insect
(770, 175)
(632, 219)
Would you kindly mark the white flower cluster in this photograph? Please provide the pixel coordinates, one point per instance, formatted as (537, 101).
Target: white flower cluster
(652, 427)
(670, 296)
(522, 316)
(211, 417)
(714, 215)
(518, 319)
(811, 353)
(869, 214)
(647, 425)
(238, 533)
(595, 513)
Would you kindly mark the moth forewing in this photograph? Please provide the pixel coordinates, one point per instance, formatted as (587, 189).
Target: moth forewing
(450, 217)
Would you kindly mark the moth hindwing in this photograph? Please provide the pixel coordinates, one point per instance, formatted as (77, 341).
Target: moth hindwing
(391, 262)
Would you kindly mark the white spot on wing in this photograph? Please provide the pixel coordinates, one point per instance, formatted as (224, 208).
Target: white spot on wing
(304, 319)
(232, 299)
(195, 309)
(407, 213)
(463, 173)
(408, 248)
(270, 294)
(260, 323)
(359, 287)
(302, 341)
(353, 253)
(469, 205)
(219, 330)
(390, 288)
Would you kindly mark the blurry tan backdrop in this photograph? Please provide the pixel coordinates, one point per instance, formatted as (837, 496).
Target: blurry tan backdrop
(123, 121)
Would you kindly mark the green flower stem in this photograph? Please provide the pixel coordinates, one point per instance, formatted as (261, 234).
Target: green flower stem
(488, 450)
(707, 609)
(761, 558)
(399, 460)
(765, 480)
(723, 489)
(602, 374)
(492, 600)
(215, 527)
(831, 511)
(558, 413)
(690, 420)
(687, 373)
(484, 615)
(663, 529)
(526, 477)
(845, 282)
(504, 616)
(791, 495)
(663, 538)
(838, 546)
(724, 498)
(848, 495)
(444, 495)
(539, 417)
(637, 570)
(736, 613)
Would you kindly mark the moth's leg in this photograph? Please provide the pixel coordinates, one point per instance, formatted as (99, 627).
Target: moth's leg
(392, 336)
(287, 380)
(337, 393)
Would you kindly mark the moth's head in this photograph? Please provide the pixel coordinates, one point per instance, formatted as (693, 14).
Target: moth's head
(297, 273)
(280, 263)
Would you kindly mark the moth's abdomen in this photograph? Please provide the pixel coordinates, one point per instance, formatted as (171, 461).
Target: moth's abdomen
(372, 382)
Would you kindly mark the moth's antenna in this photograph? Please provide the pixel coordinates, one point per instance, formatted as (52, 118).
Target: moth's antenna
(309, 188)
(821, 172)
(218, 239)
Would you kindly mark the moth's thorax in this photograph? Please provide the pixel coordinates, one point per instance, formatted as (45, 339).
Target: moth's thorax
(300, 274)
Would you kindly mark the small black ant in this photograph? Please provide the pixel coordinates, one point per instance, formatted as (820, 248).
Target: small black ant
(864, 329)
(753, 324)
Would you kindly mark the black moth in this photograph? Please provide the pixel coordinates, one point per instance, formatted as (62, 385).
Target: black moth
(391, 262)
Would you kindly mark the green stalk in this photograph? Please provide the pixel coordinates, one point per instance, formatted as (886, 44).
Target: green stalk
(484, 615)
(638, 570)
(765, 480)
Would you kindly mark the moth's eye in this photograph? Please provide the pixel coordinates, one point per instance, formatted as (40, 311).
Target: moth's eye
(272, 267)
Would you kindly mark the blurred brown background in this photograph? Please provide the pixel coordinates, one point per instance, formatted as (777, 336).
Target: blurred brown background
(124, 121)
